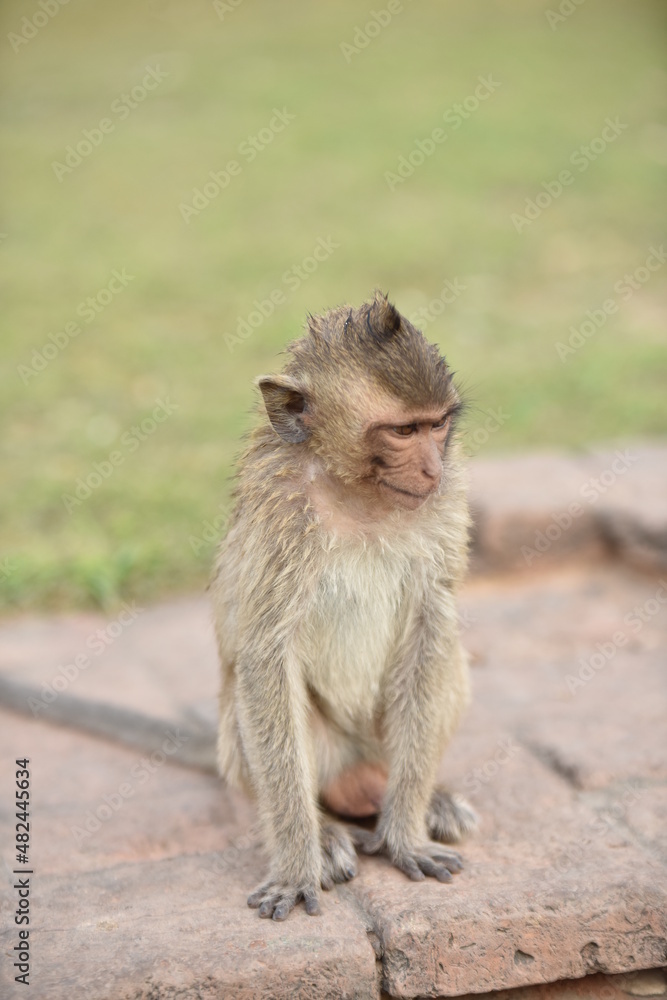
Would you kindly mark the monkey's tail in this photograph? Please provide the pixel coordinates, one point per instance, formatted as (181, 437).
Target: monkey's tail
(187, 746)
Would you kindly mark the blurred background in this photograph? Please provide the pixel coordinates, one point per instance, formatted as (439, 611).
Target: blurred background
(184, 180)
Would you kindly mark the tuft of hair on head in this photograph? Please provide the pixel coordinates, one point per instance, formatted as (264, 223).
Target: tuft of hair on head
(383, 319)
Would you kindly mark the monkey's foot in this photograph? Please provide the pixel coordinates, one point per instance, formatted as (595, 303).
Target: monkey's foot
(449, 817)
(418, 862)
(276, 899)
(339, 858)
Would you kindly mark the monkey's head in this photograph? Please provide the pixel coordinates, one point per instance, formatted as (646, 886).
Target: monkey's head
(367, 393)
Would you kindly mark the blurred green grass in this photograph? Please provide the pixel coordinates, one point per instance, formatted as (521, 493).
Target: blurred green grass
(141, 532)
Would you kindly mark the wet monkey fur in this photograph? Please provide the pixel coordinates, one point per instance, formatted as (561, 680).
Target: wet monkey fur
(334, 597)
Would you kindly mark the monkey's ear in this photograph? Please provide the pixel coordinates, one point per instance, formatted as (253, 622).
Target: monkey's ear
(285, 404)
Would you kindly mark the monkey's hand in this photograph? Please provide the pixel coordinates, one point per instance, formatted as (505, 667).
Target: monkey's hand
(276, 898)
(418, 861)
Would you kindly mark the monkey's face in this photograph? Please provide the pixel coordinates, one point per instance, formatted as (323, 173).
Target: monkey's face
(366, 395)
(406, 456)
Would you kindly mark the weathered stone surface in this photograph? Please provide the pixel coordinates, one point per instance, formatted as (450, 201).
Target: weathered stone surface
(549, 891)
(160, 659)
(144, 895)
(648, 983)
(566, 876)
(514, 500)
(172, 933)
(533, 511)
(633, 516)
(575, 663)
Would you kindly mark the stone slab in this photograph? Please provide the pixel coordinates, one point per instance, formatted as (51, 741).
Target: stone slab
(524, 518)
(549, 891)
(143, 895)
(648, 983)
(576, 663)
(159, 659)
(566, 876)
(162, 931)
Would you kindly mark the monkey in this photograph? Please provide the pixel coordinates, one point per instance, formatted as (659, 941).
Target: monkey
(334, 602)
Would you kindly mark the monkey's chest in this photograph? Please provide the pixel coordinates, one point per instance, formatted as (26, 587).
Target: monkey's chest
(350, 632)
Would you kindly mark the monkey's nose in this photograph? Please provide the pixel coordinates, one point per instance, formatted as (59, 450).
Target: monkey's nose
(431, 471)
(431, 466)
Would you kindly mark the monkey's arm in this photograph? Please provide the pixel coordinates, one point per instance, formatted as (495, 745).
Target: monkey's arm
(427, 689)
(273, 721)
(271, 593)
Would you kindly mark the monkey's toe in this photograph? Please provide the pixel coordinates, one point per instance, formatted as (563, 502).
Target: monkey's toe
(339, 858)
(450, 817)
(428, 860)
(277, 901)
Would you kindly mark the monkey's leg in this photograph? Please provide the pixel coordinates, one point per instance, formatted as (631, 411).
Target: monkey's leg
(449, 817)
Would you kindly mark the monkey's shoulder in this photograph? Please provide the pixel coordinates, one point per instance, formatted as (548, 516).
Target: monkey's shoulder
(269, 488)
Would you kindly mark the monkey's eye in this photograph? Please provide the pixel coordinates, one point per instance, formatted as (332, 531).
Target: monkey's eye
(441, 422)
(405, 429)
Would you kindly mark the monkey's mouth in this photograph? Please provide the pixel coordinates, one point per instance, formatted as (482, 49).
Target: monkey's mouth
(419, 497)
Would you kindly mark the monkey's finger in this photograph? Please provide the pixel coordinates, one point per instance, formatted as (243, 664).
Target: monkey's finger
(410, 867)
(311, 902)
(429, 867)
(268, 906)
(285, 905)
(256, 898)
(451, 861)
